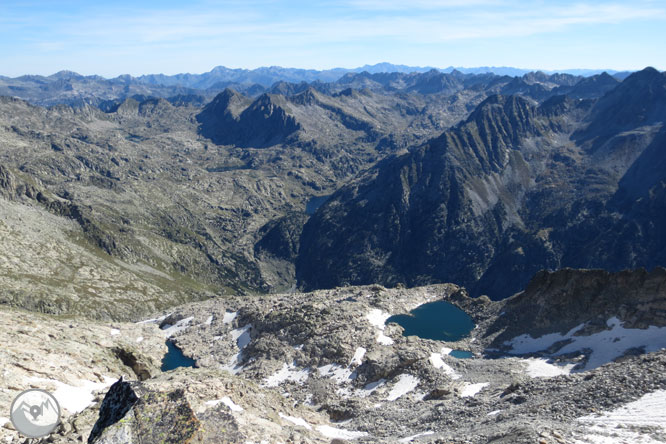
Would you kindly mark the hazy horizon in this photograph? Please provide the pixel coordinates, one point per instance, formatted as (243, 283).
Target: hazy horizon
(444, 69)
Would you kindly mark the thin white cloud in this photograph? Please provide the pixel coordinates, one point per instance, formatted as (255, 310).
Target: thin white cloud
(247, 26)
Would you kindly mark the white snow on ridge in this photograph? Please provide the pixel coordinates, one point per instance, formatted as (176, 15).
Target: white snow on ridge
(377, 318)
(242, 336)
(606, 345)
(229, 317)
(3, 421)
(627, 423)
(336, 372)
(115, 332)
(438, 363)
(542, 368)
(358, 356)
(226, 401)
(209, 320)
(470, 390)
(155, 320)
(405, 384)
(179, 326)
(332, 432)
(288, 372)
(296, 420)
(418, 435)
(76, 398)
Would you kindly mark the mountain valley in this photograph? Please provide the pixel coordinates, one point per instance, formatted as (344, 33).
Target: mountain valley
(270, 227)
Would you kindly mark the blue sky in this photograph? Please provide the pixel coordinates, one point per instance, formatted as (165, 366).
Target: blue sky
(167, 36)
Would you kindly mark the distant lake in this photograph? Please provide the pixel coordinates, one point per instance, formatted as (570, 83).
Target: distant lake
(439, 320)
(314, 203)
(461, 354)
(175, 358)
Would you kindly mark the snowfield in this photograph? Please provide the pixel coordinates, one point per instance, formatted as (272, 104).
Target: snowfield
(641, 422)
(605, 345)
(377, 318)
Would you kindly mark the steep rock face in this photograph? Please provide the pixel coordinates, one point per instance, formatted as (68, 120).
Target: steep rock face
(514, 189)
(452, 199)
(230, 120)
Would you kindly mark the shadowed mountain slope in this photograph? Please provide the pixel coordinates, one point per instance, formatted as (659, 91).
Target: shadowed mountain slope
(514, 188)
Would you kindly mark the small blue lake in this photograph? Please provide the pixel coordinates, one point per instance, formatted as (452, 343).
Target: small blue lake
(175, 358)
(461, 354)
(439, 320)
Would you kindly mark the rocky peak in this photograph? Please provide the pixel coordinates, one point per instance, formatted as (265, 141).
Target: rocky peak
(640, 100)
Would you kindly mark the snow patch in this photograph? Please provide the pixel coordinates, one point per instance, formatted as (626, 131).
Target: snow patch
(438, 363)
(606, 345)
(542, 368)
(288, 372)
(229, 317)
(470, 390)
(209, 320)
(155, 320)
(418, 435)
(115, 332)
(139, 339)
(377, 318)
(336, 372)
(624, 423)
(234, 366)
(406, 383)
(170, 330)
(242, 336)
(370, 387)
(3, 421)
(493, 413)
(358, 356)
(383, 339)
(226, 401)
(76, 398)
(332, 432)
(296, 420)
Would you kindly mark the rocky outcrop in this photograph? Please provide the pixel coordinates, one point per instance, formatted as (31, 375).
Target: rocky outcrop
(561, 300)
(73, 358)
(323, 366)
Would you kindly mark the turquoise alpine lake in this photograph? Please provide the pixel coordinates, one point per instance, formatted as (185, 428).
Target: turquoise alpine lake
(461, 354)
(175, 358)
(439, 320)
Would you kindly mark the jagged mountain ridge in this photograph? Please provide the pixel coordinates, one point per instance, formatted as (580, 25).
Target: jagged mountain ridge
(514, 188)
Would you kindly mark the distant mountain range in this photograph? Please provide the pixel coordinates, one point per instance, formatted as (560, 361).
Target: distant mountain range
(221, 76)
(70, 88)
